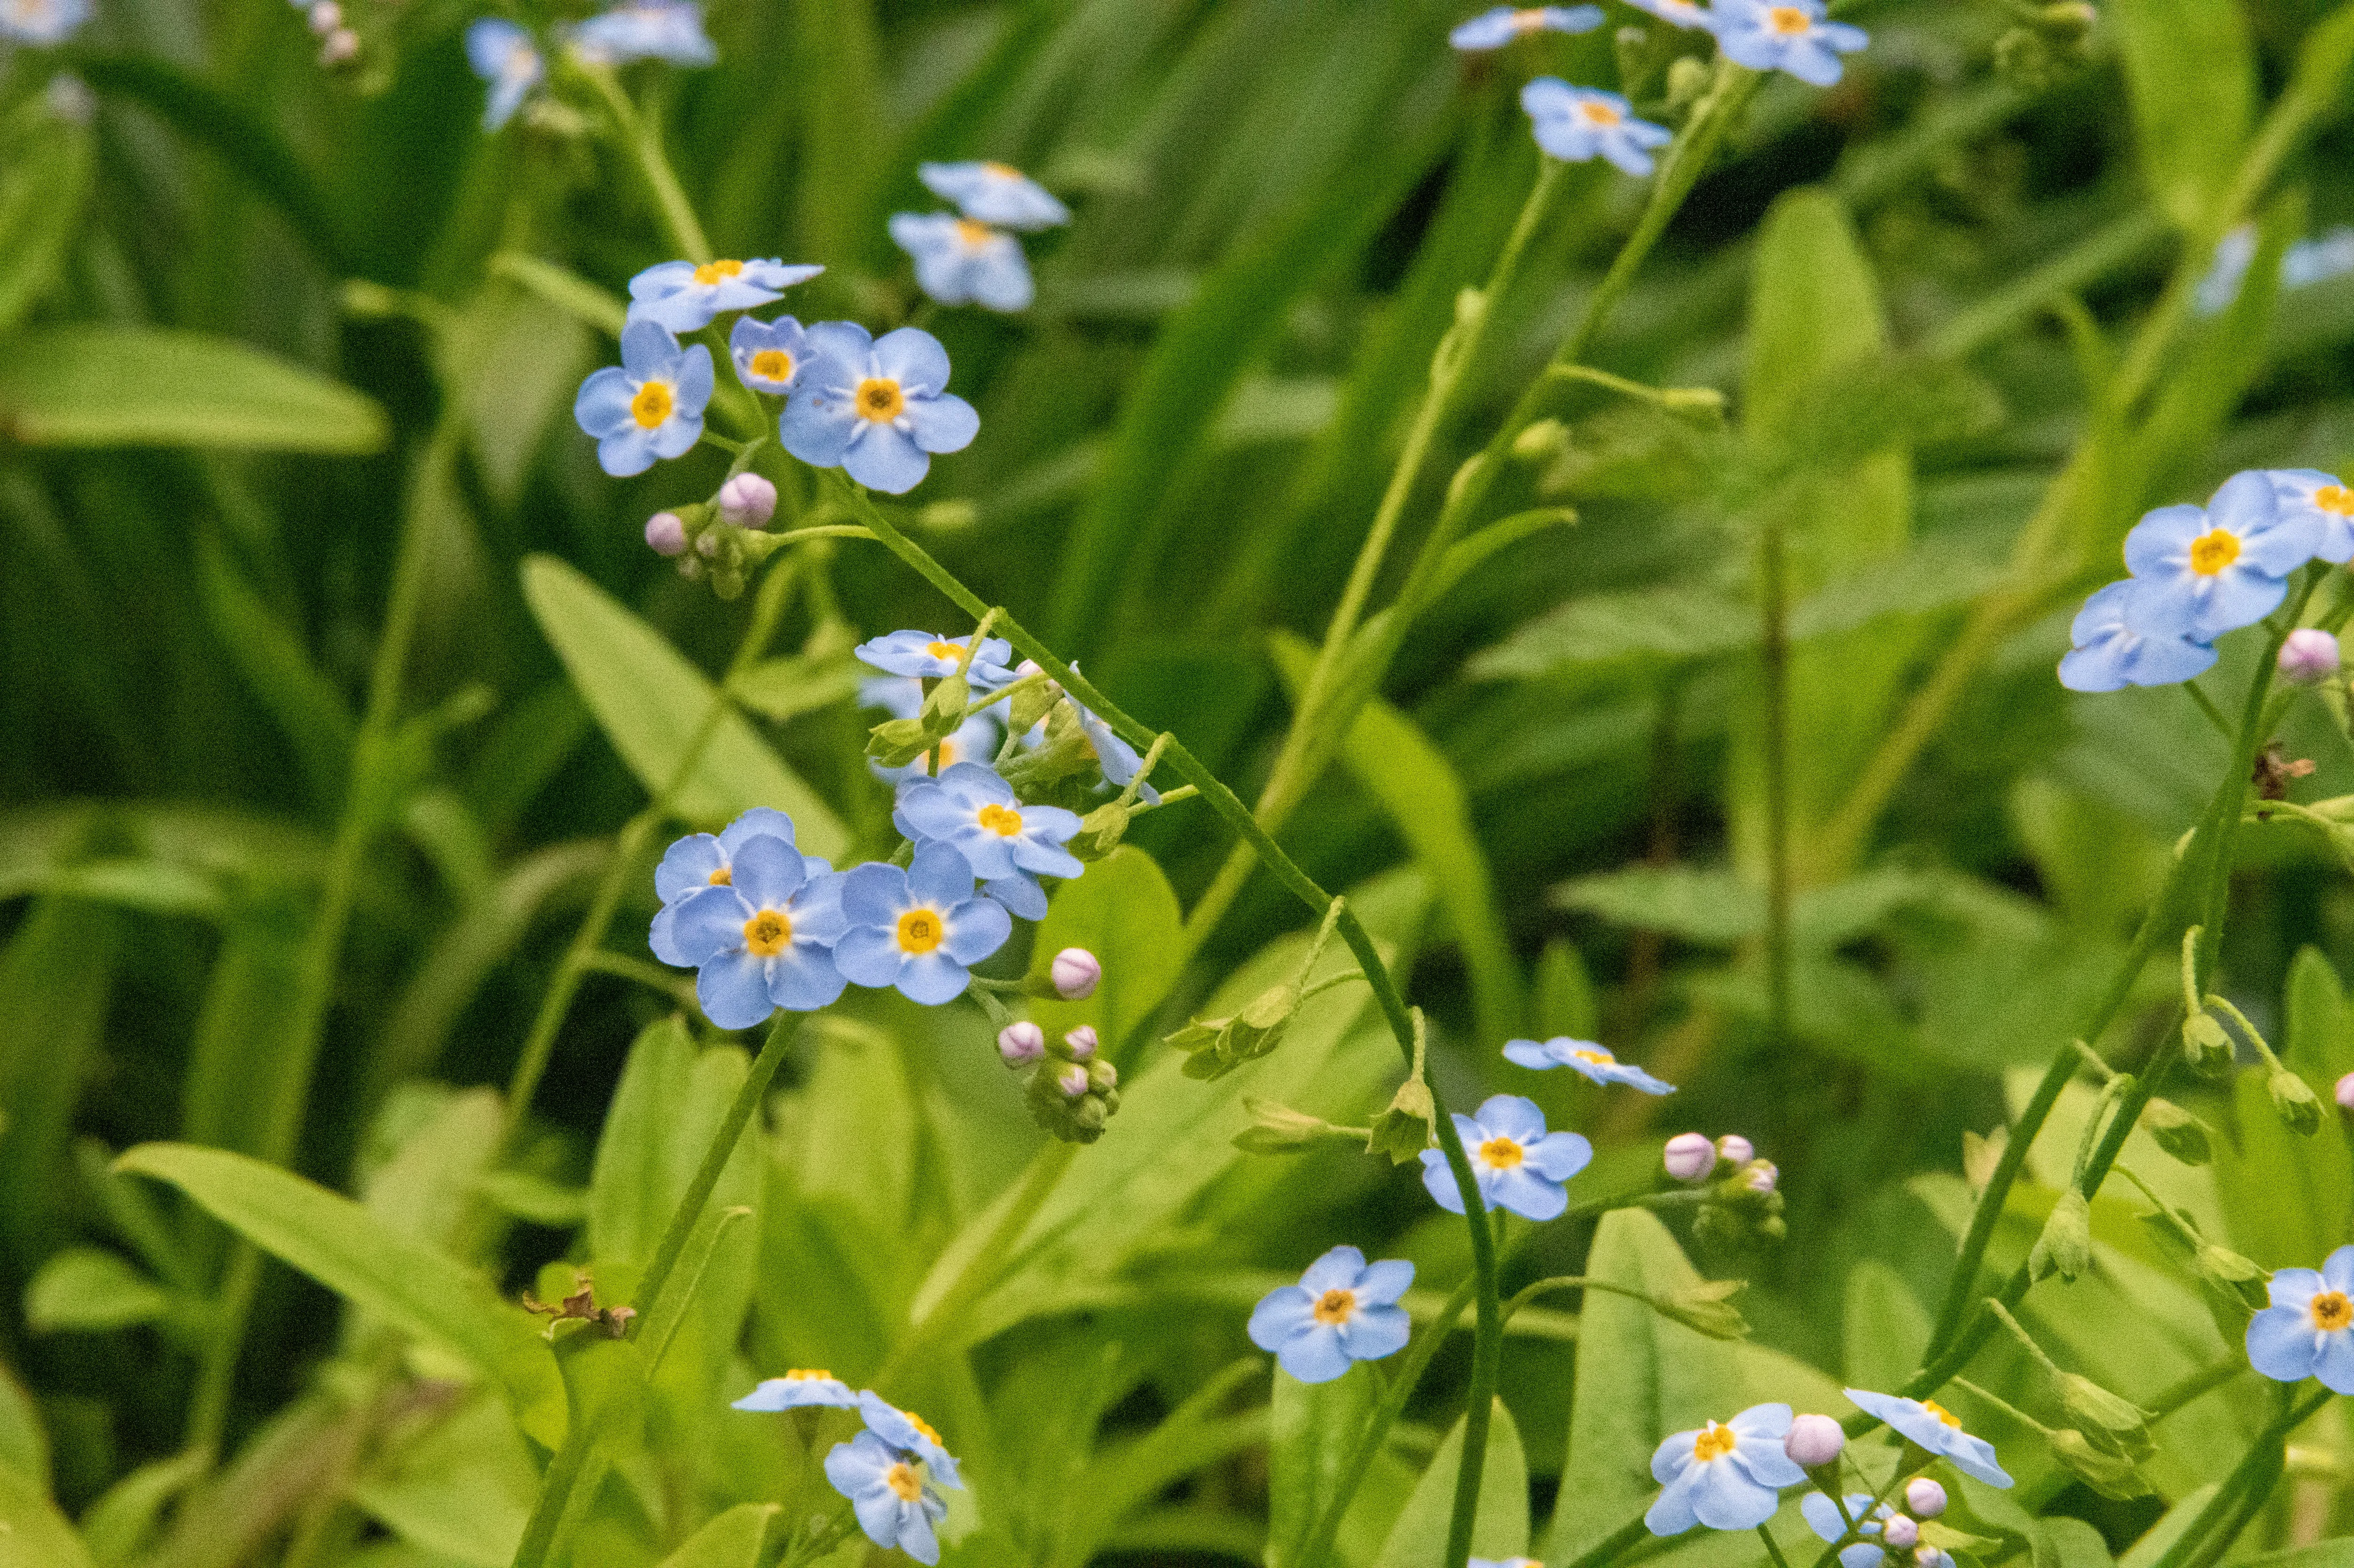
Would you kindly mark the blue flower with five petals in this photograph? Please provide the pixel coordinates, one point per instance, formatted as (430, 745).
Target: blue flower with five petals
(2202, 572)
(1343, 1309)
(1726, 1476)
(2108, 654)
(918, 929)
(797, 1390)
(504, 56)
(2324, 498)
(685, 296)
(651, 405)
(1518, 1164)
(1494, 28)
(1587, 1059)
(704, 860)
(2309, 1329)
(932, 656)
(909, 1434)
(1932, 1426)
(769, 355)
(895, 1506)
(647, 30)
(764, 938)
(964, 261)
(1008, 846)
(876, 407)
(1871, 1519)
(1576, 124)
(1786, 35)
(994, 193)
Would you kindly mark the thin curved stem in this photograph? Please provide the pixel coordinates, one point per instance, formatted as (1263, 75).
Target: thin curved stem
(685, 230)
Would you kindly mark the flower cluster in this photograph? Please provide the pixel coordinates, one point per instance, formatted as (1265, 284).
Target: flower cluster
(886, 1471)
(2200, 572)
(972, 257)
(509, 59)
(2308, 1329)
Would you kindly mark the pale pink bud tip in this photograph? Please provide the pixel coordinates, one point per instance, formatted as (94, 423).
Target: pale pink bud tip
(667, 533)
(2310, 654)
(1021, 1042)
(1901, 1533)
(342, 45)
(1737, 1149)
(325, 17)
(1814, 1441)
(1081, 1042)
(1075, 972)
(748, 501)
(1763, 1175)
(1073, 1080)
(1924, 1499)
(1689, 1157)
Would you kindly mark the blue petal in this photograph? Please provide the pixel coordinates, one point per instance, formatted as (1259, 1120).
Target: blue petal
(803, 978)
(815, 429)
(1558, 1156)
(1526, 1193)
(1337, 1269)
(626, 452)
(1674, 1456)
(2338, 1269)
(687, 866)
(867, 956)
(932, 979)
(883, 456)
(1286, 1310)
(914, 358)
(1314, 1355)
(873, 894)
(2295, 1287)
(1019, 894)
(1822, 1517)
(767, 872)
(601, 408)
(1376, 1333)
(1383, 1282)
(708, 922)
(2333, 1365)
(758, 823)
(1671, 1512)
(1439, 1180)
(939, 875)
(734, 991)
(976, 928)
(944, 423)
(1514, 1116)
(649, 351)
(1725, 1498)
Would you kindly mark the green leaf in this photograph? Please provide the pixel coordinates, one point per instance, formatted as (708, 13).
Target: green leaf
(1311, 1428)
(576, 296)
(1500, 1530)
(463, 1489)
(150, 386)
(734, 1540)
(651, 700)
(90, 1290)
(41, 198)
(2190, 72)
(24, 1442)
(1709, 906)
(277, 670)
(1125, 912)
(1666, 625)
(123, 1523)
(55, 974)
(33, 1533)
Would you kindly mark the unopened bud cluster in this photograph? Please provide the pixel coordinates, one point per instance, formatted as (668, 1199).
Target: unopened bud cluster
(1072, 1090)
(722, 536)
(1743, 1193)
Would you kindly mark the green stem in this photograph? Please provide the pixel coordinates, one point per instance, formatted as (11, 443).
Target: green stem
(1773, 1550)
(556, 1487)
(1773, 592)
(644, 138)
(2236, 1500)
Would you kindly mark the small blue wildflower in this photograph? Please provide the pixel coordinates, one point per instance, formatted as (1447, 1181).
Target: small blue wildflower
(1576, 124)
(2309, 1329)
(1725, 1476)
(2202, 572)
(1871, 1519)
(1008, 846)
(1932, 1426)
(647, 30)
(1681, 12)
(767, 354)
(1589, 1060)
(895, 1506)
(994, 193)
(911, 1434)
(963, 261)
(704, 860)
(504, 56)
(2107, 654)
(651, 405)
(1786, 35)
(42, 22)
(797, 1389)
(876, 407)
(2323, 500)
(1494, 30)
(931, 656)
(764, 940)
(917, 929)
(684, 296)
(1518, 1164)
(1343, 1309)
(974, 740)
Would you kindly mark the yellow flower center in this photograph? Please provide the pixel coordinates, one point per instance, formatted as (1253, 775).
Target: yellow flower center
(1002, 171)
(1714, 1442)
(901, 1478)
(2213, 550)
(1941, 1413)
(2335, 498)
(880, 399)
(1788, 19)
(1003, 821)
(1595, 1058)
(919, 932)
(768, 933)
(723, 877)
(948, 650)
(773, 364)
(973, 235)
(1501, 1153)
(946, 751)
(1599, 114)
(809, 1374)
(712, 273)
(1528, 21)
(922, 1426)
(2331, 1311)
(653, 404)
(1336, 1307)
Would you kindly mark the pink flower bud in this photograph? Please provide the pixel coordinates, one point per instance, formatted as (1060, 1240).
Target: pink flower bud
(1689, 1157)
(1081, 1042)
(667, 533)
(1924, 1499)
(342, 46)
(1075, 973)
(1735, 1148)
(2345, 1092)
(325, 17)
(1021, 1043)
(1900, 1532)
(748, 501)
(1072, 1080)
(2310, 654)
(1814, 1441)
(1763, 1175)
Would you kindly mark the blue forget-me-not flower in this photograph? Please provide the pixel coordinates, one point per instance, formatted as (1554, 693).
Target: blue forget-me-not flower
(1579, 123)
(685, 296)
(1343, 1309)
(651, 405)
(932, 656)
(764, 938)
(1787, 35)
(1587, 1059)
(1008, 844)
(2324, 501)
(964, 261)
(994, 193)
(504, 56)
(1494, 28)
(42, 22)
(895, 1506)
(2204, 571)
(799, 1389)
(876, 407)
(917, 929)
(1518, 1164)
(708, 860)
(910, 1433)
(2107, 654)
(647, 30)
(1726, 1475)
(767, 354)
(2309, 1329)
(1932, 1426)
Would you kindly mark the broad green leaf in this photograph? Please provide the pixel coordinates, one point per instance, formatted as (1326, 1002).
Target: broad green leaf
(1124, 1476)
(1312, 1426)
(1697, 903)
(2064, 1543)
(1125, 912)
(24, 1442)
(1669, 624)
(277, 671)
(2190, 72)
(651, 702)
(734, 1540)
(1501, 1527)
(33, 1533)
(150, 386)
(838, 61)
(121, 1524)
(462, 1489)
(426, 1188)
(55, 974)
(90, 1290)
(41, 198)
(1886, 1327)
